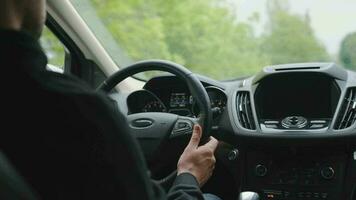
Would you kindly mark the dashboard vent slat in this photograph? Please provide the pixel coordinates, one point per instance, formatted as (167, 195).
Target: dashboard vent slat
(347, 113)
(296, 68)
(244, 110)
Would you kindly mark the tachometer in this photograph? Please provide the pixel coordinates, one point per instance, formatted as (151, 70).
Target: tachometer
(217, 99)
(219, 103)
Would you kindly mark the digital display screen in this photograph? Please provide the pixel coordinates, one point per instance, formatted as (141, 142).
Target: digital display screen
(307, 95)
(180, 100)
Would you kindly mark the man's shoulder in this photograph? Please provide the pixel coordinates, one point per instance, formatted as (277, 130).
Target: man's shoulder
(72, 88)
(63, 83)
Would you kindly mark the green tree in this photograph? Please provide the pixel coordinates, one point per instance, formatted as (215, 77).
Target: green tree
(136, 26)
(208, 38)
(290, 38)
(199, 34)
(53, 47)
(347, 54)
(203, 35)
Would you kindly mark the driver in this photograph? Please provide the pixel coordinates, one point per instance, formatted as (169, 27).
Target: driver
(51, 118)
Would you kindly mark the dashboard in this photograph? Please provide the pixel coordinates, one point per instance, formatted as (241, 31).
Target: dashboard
(295, 101)
(294, 125)
(303, 101)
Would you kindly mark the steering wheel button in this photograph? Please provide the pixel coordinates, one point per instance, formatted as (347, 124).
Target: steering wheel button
(183, 125)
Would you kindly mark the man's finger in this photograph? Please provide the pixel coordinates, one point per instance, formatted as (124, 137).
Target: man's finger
(212, 144)
(195, 139)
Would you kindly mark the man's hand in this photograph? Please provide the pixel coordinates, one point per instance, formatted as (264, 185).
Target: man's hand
(198, 160)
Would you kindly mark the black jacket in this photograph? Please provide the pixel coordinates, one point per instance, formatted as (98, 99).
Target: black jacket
(55, 132)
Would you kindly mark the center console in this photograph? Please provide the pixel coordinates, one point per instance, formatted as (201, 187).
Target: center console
(296, 176)
(285, 102)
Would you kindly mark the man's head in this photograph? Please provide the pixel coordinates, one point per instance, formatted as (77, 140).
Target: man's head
(27, 15)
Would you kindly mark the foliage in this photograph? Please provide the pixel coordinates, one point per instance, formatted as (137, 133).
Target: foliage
(53, 48)
(348, 51)
(290, 38)
(204, 35)
(198, 34)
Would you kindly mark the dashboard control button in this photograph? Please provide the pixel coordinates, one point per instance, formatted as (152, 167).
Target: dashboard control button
(300, 194)
(294, 122)
(316, 126)
(233, 154)
(286, 194)
(318, 122)
(327, 172)
(261, 170)
(324, 195)
(316, 195)
(273, 194)
(308, 195)
(271, 126)
(271, 122)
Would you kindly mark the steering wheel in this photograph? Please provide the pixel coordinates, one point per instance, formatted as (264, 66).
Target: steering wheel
(153, 128)
(159, 126)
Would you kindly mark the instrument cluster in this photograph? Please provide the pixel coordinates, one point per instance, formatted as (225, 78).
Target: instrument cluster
(175, 98)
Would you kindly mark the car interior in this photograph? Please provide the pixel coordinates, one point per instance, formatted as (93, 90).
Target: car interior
(287, 132)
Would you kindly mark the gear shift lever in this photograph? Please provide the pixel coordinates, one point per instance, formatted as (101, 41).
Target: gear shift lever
(249, 196)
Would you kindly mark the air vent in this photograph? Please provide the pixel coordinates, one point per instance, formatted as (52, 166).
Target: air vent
(296, 68)
(347, 113)
(244, 111)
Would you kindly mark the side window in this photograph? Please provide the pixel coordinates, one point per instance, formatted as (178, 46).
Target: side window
(54, 50)
(56, 53)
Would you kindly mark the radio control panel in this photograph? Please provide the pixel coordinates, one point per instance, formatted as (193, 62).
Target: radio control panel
(294, 177)
(294, 123)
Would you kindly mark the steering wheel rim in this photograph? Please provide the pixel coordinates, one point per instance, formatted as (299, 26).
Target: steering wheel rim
(195, 86)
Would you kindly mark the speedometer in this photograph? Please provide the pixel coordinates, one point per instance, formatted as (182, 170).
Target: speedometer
(154, 106)
(144, 101)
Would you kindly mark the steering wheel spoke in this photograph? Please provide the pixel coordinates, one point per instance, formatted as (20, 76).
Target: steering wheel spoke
(183, 126)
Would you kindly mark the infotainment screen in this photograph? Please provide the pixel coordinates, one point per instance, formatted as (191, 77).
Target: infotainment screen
(311, 95)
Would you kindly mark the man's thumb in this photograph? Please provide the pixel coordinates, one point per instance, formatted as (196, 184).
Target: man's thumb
(195, 139)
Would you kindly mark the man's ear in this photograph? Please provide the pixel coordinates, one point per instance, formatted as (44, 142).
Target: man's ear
(11, 14)
(34, 16)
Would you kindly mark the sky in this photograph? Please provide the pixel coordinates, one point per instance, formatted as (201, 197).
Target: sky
(331, 20)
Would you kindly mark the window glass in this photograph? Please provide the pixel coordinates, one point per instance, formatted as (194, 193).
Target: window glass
(54, 50)
(224, 39)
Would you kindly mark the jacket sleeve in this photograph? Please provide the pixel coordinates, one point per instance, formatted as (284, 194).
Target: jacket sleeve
(185, 187)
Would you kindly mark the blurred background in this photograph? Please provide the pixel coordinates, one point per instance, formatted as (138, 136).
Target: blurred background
(222, 39)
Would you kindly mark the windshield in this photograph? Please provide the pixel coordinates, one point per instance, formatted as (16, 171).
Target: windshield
(224, 39)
